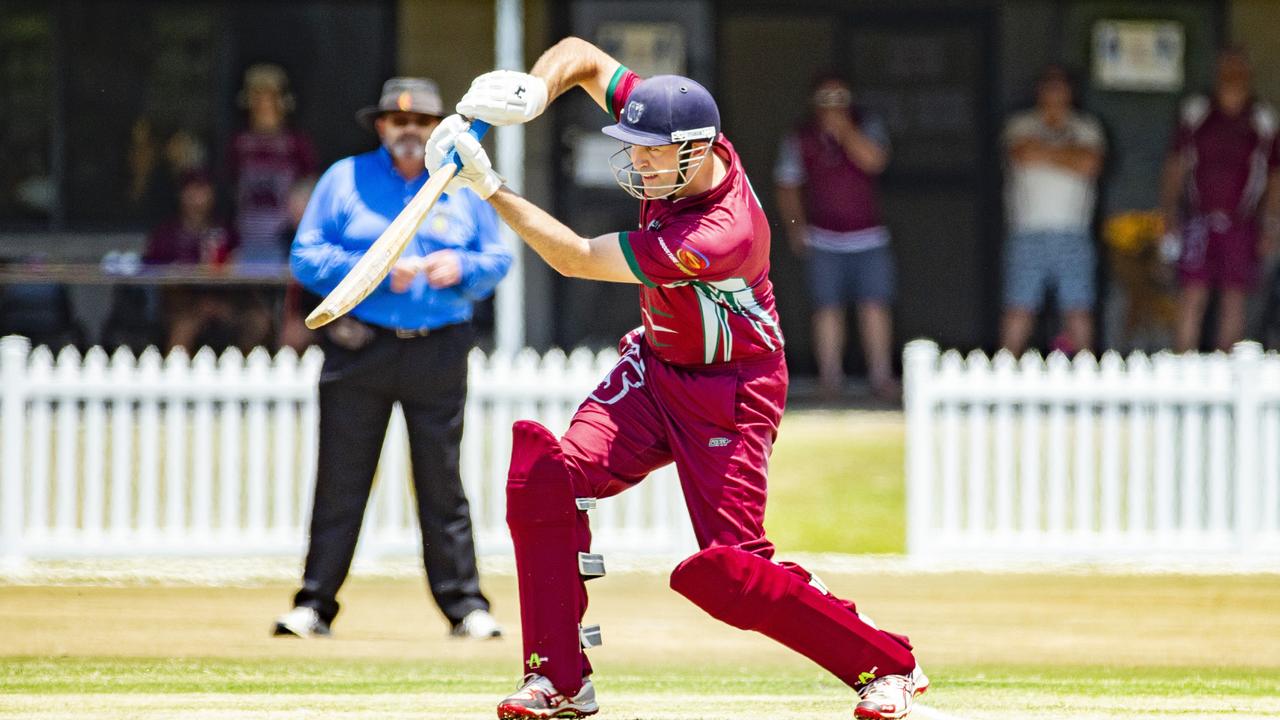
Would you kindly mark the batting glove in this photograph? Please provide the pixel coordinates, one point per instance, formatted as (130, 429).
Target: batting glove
(476, 172)
(505, 97)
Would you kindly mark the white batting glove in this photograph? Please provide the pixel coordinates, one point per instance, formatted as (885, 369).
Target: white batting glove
(505, 97)
(477, 171)
(440, 144)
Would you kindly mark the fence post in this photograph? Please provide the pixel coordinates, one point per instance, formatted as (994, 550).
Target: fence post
(1248, 375)
(13, 405)
(919, 361)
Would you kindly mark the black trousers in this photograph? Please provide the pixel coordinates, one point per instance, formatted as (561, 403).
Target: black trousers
(428, 377)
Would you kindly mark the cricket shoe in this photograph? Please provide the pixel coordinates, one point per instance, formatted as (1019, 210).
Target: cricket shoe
(890, 697)
(303, 622)
(538, 698)
(478, 624)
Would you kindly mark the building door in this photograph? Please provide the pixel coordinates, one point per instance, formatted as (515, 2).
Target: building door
(929, 74)
(651, 37)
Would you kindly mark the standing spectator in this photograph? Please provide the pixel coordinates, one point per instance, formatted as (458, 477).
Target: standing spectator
(408, 343)
(266, 159)
(197, 236)
(1222, 162)
(827, 192)
(1054, 154)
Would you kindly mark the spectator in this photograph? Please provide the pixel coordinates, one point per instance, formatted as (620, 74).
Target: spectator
(266, 159)
(298, 301)
(827, 192)
(1222, 164)
(407, 342)
(197, 237)
(157, 166)
(1054, 154)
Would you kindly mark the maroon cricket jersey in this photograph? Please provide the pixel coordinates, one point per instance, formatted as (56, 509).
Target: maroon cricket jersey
(839, 195)
(1229, 157)
(263, 167)
(703, 262)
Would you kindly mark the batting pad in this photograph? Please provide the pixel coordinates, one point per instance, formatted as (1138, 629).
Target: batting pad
(550, 534)
(776, 600)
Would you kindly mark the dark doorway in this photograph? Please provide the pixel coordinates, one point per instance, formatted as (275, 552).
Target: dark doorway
(930, 74)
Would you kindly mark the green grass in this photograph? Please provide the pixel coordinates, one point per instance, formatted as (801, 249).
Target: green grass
(836, 484)
(997, 646)
(365, 676)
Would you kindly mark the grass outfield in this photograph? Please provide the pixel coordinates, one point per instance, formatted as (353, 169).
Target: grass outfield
(836, 483)
(1000, 647)
(997, 646)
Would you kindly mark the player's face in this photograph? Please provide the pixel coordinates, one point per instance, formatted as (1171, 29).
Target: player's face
(405, 134)
(1234, 72)
(657, 165)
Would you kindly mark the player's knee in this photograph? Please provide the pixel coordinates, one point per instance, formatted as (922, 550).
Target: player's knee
(539, 489)
(730, 584)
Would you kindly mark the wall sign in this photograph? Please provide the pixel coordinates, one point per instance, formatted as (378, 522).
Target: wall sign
(1138, 55)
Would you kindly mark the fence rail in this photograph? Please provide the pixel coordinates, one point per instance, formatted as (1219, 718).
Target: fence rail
(1161, 457)
(216, 455)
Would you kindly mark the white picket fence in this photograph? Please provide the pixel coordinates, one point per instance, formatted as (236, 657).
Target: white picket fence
(125, 456)
(1169, 457)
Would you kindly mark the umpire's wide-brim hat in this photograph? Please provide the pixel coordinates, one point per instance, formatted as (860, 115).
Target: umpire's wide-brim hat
(404, 94)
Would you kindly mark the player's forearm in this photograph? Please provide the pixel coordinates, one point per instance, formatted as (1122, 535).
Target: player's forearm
(1085, 161)
(574, 62)
(563, 249)
(1171, 188)
(866, 153)
(1271, 207)
(791, 205)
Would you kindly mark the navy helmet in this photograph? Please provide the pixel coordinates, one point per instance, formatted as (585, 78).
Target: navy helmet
(666, 109)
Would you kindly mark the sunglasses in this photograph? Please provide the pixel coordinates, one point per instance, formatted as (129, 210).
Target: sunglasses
(407, 119)
(832, 98)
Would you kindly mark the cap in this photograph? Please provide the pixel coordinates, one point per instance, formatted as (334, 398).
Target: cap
(265, 76)
(667, 109)
(404, 94)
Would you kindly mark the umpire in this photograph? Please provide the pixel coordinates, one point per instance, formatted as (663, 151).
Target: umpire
(407, 343)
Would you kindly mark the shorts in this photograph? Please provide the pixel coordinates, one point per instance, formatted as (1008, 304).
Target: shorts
(1038, 261)
(717, 424)
(1218, 251)
(862, 276)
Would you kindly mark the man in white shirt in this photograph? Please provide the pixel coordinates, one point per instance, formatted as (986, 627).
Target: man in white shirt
(1054, 155)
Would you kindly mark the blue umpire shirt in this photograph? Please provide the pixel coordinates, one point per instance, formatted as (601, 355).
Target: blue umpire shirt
(354, 201)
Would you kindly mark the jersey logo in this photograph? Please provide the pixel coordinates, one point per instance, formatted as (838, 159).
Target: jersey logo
(654, 224)
(628, 374)
(634, 111)
(718, 442)
(687, 260)
(693, 259)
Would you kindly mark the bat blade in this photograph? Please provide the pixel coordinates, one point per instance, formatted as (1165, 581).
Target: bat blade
(376, 262)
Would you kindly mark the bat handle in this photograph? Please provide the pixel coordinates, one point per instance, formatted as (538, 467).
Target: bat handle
(478, 129)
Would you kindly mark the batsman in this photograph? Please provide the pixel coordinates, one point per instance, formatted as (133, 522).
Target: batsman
(702, 384)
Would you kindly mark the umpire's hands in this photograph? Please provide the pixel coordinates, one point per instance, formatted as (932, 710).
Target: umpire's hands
(443, 269)
(477, 171)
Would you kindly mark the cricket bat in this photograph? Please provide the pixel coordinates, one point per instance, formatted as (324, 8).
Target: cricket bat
(376, 262)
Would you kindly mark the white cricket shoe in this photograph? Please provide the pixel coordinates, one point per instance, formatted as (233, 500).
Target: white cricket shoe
(303, 622)
(890, 697)
(478, 624)
(537, 698)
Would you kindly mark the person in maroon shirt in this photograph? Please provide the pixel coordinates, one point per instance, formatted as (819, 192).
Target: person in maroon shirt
(196, 236)
(702, 384)
(827, 185)
(1220, 193)
(266, 159)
